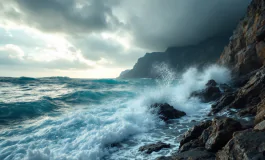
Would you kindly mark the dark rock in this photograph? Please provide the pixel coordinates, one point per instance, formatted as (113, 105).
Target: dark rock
(209, 94)
(167, 112)
(240, 81)
(211, 83)
(222, 131)
(153, 147)
(240, 54)
(191, 144)
(249, 111)
(260, 47)
(224, 101)
(193, 154)
(251, 90)
(260, 34)
(178, 58)
(246, 61)
(245, 145)
(226, 88)
(260, 115)
(260, 126)
(195, 132)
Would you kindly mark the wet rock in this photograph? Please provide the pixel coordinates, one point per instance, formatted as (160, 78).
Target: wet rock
(191, 144)
(222, 131)
(167, 111)
(153, 147)
(211, 83)
(260, 34)
(224, 101)
(226, 88)
(240, 81)
(245, 145)
(249, 111)
(260, 47)
(193, 154)
(251, 90)
(211, 93)
(195, 132)
(260, 115)
(260, 126)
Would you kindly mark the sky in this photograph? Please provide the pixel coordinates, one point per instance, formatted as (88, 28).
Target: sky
(101, 38)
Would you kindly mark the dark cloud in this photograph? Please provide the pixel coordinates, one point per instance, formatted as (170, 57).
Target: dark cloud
(68, 16)
(159, 24)
(152, 24)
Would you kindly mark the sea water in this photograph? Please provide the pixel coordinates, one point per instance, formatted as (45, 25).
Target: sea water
(60, 118)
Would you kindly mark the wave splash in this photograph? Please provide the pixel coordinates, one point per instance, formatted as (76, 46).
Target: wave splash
(88, 132)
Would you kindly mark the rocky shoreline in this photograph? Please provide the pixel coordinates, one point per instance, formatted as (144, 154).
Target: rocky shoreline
(240, 135)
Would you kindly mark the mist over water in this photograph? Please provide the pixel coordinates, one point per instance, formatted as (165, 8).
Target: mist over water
(97, 119)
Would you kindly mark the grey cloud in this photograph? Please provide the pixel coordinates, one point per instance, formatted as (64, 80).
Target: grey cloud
(8, 58)
(69, 16)
(153, 24)
(94, 47)
(158, 24)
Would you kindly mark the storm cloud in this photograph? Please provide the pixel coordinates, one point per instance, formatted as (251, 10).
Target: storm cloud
(113, 33)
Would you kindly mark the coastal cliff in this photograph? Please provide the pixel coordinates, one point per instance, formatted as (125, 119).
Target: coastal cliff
(235, 129)
(178, 58)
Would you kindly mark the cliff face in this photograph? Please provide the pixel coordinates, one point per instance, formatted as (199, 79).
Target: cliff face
(178, 58)
(246, 49)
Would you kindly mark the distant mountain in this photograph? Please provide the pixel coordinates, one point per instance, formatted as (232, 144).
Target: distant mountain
(178, 58)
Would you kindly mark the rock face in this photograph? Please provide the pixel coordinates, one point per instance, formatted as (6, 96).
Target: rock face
(210, 93)
(227, 137)
(245, 51)
(222, 131)
(178, 58)
(260, 126)
(167, 112)
(245, 145)
(193, 154)
(212, 135)
(153, 147)
(224, 101)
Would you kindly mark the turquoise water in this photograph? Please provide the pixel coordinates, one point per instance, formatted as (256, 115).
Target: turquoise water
(60, 118)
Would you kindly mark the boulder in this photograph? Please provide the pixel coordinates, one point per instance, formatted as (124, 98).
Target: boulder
(223, 102)
(153, 147)
(245, 145)
(260, 35)
(260, 126)
(226, 88)
(211, 93)
(193, 154)
(213, 135)
(190, 145)
(252, 89)
(211, 83)
(167, 112)
(260, 47)
(260, 115)
(195, 132)
(222, 131)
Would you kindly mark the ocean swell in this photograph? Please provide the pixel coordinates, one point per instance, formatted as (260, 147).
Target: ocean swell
(103, 123)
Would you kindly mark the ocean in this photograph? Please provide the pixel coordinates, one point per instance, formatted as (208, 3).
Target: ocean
(60, 118)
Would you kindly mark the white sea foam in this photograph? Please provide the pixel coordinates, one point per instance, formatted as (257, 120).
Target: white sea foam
(86, 134)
